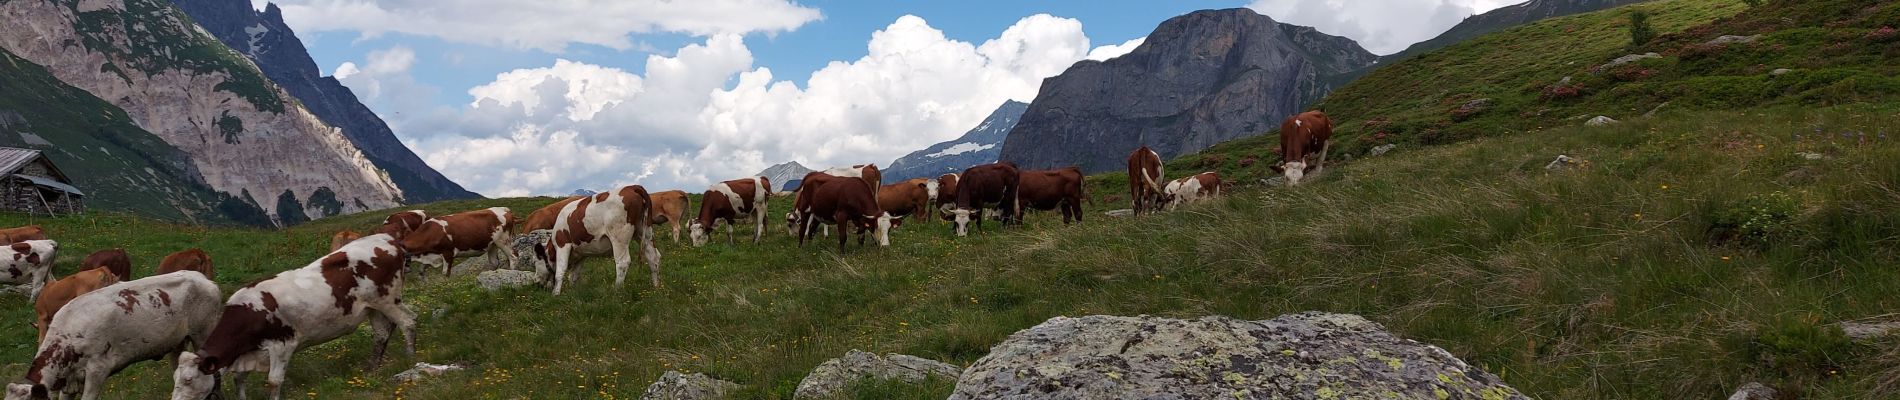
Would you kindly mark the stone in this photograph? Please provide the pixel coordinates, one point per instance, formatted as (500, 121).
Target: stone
(524, 245)
(1870, 330)
(424, 370)
(1624, 60)
(1754, 391)
(674, 385)
(1380, 150)
(506, 279)
(1600, 121)
(1563, 163)
(1780, 71)
(834, 376)
(1126, 212)
(1312, 355)
(1274, 181)
(1731, 39)
(1652, 112)
(1811, 156)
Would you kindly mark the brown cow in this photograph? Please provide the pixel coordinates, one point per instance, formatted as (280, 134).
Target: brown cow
(1144, 179)
(113, 260)
(544, 217)
(849, 204)
(21, 234)
(905, 199)
(440, 240)
(399, 224)
(64, 290)
(946, 199)
(193, 260)
(979, 188)
(731, 201)
(669, 207)
(1300, 137)
(1190, 189)
(1059, 189)
(343, 237)
(607, 222)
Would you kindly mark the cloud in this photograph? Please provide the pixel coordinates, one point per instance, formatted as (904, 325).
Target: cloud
(546, 25)
(384, 82)
(1382, 26)
(1115, 50)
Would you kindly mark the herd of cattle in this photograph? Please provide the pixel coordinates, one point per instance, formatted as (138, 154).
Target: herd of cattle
(100, 320)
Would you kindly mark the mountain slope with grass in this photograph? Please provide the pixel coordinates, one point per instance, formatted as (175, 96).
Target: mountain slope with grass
(1689, 253)
(1504, 18)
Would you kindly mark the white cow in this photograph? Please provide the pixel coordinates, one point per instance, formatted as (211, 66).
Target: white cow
(605, 222)
(29, 262)
(105, 330)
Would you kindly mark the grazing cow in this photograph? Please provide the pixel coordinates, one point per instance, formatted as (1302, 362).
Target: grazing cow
(1059, 189)
(29, 262)
(801, 200)
(868, 172)
(609, 221)
(400, 224)
(849, 204)
(544, 217)
(114, 260)
(440, 240)
(106, 330)
(1190, 189)
(981, 187)
(905, 199)
(946, 198)
(669, 207)
(264, 323)
(57, 294)
(21, 234)
(343, 237)
(192, 260)
(732, 201)
(1301, 136)
(1144, 179)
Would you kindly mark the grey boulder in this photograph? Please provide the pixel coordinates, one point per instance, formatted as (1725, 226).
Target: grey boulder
(834, 376)
(695, 386)
(506, 279)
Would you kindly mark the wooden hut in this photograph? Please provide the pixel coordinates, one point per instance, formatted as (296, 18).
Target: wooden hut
(30, 183)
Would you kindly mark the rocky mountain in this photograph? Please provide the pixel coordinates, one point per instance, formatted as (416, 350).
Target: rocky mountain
(241, 135)
(978, 146)
(1200, 79)
(1505, 18)
(786, 175)
(267, 41)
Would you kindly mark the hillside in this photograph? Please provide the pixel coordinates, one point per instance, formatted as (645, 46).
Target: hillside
(981, 145)
(1504, 18)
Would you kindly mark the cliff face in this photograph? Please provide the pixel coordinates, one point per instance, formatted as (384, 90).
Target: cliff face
(267, 41)
(980, 145)
(242, 135)
(1200, 79)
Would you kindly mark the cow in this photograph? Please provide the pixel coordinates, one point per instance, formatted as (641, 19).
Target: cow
(264, 323)
(868, 172)
(849, 204)
(114, 260)
(400, 224)
(60, 292)
(440, 240)
(669, 207)
(607, 222)
(1190, 189)
(732, 201)
(1144, 179)
(980, 187)
(543, 218)
(109, 329)
(21, 234)
(191, 260)
(946, 198)
(906, 199)
(1300, 137)
(1059, 189)
(343, 237)
(29, 262)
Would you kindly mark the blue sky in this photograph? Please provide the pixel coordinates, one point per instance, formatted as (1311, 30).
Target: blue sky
(516, 98)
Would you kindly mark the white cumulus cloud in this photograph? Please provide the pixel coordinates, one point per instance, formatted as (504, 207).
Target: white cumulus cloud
(1382, 26)
(1115, 50)
(546, 25)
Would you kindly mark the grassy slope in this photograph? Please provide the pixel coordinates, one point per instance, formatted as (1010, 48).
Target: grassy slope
(1619, 280)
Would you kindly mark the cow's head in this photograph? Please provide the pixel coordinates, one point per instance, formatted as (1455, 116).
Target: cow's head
(1294, 171)
(962, 217)
(791, 223)
(699, 233)
(930, 189)
(192, 380)
(884, 224)
(26, 391)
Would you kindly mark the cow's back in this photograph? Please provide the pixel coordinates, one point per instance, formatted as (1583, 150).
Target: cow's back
(21, 234)
(139, 319)
(191, 260)
(543, 218)
(114, 260)
(56, 295)
(671, 204)
(983, 184)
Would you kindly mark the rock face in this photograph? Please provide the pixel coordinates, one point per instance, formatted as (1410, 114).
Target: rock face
(786, 175)
(834, 376)
(1200, 79)
(1300, 356)
(268, 42)
(242, 134)
(1505, 18)
(978, 146)
(695, 386)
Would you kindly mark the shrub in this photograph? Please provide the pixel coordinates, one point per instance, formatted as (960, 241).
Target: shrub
(1758, 220)
(1560, 92)
(1640, 31)
(1801, 349)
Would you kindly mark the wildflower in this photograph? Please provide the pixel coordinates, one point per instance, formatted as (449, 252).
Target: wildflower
(1724, 258)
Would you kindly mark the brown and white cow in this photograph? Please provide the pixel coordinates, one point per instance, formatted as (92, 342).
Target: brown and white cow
(102, 332)
(400, 224)
(21, 234)
(440, 240)
(114, 260)
(868, 172)
(264, 323)
(192, 260)
(906, 199)
(543, 218)
(1302, 136)
(1191, 189)
(1059, 189)
(1144, 179)
(607, 222)
(981, 187)
(849, 204)
(60, 292)
(946, 198)
(343, 237)
(732, 201)
(669, 207)
(29, 262)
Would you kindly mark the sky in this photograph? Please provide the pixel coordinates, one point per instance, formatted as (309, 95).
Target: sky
(515, 98)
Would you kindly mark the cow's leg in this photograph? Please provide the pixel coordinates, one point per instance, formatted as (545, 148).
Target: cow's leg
(95, 381)
(758, 231)
(379, 340)
(676, 230)
(651, 254)
(279, 367)
(237, 379)
(621, 257)
(400, 317)
(448, 261)
(561, 255)
(1323, 150)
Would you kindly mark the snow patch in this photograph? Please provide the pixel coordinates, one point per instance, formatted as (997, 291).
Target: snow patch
(961, 148)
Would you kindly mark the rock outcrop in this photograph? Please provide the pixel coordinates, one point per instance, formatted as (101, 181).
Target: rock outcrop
(1300, 356)
(834, 376)
(1200, 79)
(980, 145)
(695, 386)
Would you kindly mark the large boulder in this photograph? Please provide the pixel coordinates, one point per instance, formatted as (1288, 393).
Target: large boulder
(695, 386)
(506, 279)
(1310, 355)
(834, 376)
